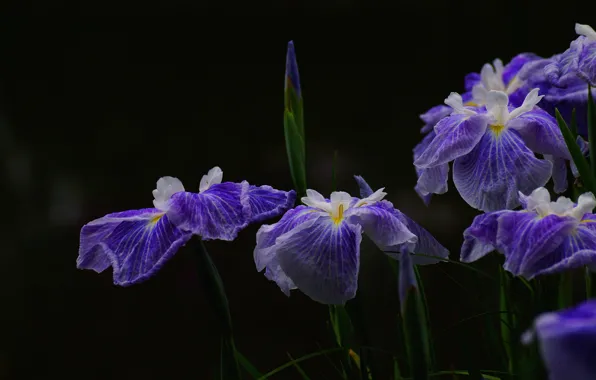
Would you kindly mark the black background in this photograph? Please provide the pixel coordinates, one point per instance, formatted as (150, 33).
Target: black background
(98, 100)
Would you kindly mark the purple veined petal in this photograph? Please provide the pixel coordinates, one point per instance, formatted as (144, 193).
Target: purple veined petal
(480, 238)
(568, 98)
(265, 202)
(273, 272)
(322, 258)
(567, 340)
(559, 173)
(267, 235)
(381, 223)
(456, 136)
(135, 243)
(426, 244)
(433, 116)
(587, 62)
(365, 189)
(432, 180)
(407, 278)
(577, 250)
(528, 241)
(516, 64)
(540, 132)
(216, 213)
(491, 175)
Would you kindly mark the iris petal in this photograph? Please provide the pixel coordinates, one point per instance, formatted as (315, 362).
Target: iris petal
(432, 117)
(540, 132)
(426, 244)
(135, 243)
(381, 223)
(559, 173)
(490, 176)
(432, 180)
(481, 237)
(528, 241)
(456, 136)
(322, 259)
(266, 202)
(216, 213)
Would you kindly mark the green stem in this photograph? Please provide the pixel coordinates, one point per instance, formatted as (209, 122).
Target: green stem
(565, 298)
(215, 292)
(507, 320)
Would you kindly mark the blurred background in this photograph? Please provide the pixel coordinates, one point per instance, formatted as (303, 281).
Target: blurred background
(97, 101)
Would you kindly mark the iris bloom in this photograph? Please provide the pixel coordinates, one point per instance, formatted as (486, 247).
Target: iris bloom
(564, 78)
(567, 341)
(545, 237)
(137, 243)
(496, 77)
(316, 246)
(492, 149)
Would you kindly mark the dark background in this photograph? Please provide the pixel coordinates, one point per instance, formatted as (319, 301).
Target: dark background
(98, 100)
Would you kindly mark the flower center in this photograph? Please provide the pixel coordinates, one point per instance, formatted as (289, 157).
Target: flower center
(337, 214)
(497, 128)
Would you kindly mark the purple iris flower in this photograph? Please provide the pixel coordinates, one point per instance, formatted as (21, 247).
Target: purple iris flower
(567, 341)
(492, 149)
(315, 247)
(563, 78)
(477, 85)
(545, 237)
(137, 243)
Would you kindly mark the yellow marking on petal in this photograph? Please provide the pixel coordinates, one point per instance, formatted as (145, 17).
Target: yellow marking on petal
(497, 128)
(153, 221)
(588, 221)
(470, 104)
(340, 215)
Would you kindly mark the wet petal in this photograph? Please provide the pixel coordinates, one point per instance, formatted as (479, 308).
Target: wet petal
(490, 176)
(135, 243)
(528, 241)
(322, 259)
(381, 223)
(216, 213)
(266, 202)
(456, 136)
(481, 237)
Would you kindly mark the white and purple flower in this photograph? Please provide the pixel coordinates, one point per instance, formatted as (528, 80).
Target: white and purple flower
(545, 237)
(495, 77)
(316, 247)
(492, 149)
(564, 78)
(567, 340)
(137, 243)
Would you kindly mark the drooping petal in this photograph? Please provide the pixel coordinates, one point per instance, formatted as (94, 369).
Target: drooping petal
(381, 223)
(322, 258)
(540, 132)
(266, 202)
(267, 235)
(528, 241)
(432, 180)
(432, 117)
(216, 213)
(481, 237)
(559, 173)
(456, 136)
(135, 243)
(426, 244)
(567, 340)
(490, 176)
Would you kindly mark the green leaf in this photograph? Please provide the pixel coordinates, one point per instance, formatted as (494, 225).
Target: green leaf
(573, 123)
(298, 368)
(214, 290)
(416, 335)
(592, 130)
(578, 158)
(295, 151)
(426, 315)
(301, 359)
(248, 366)
(396, 372)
